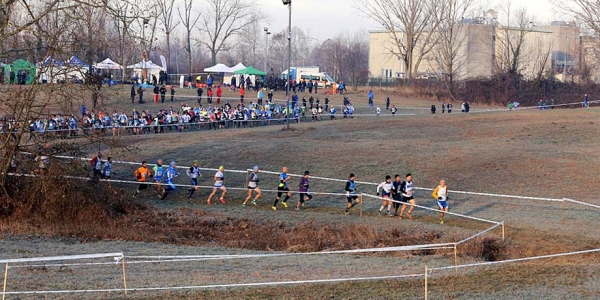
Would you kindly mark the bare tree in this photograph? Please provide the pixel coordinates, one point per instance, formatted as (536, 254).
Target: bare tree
(224, 19)
(123, 14)
(165, 8)
(512, 40)
(188, 20)
(541, 54)
(450, 37)
(356, 59)
(48, 24)
(249, 44)
(410, 24)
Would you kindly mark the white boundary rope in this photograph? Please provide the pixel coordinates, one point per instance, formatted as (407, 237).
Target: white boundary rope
(433, 209)
(517, 259)
(213, 286)
(116, 256)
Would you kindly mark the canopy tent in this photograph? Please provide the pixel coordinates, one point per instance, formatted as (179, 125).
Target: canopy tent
(237, 67)
(75, 62)
(24, 67)
(53, 70)
(219, 68)
(145, 65)
(250, 71)
(144, 70)
(108, 64)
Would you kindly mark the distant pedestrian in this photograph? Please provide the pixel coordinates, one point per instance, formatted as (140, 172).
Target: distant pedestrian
(163, 92)
(433, 109)
(387, 103)
(172, 93)
(585, 100)
(199, 91)
(443, 106)
(132, 93)
(140, 93)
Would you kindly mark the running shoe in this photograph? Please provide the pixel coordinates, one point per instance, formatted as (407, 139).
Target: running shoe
(379, 213)
(208, 202)
(297, 208)
(284, 204)
(243, 204)
(389, 214)
(254, 202)
(222, 200)
(273, 208)
(442, 222)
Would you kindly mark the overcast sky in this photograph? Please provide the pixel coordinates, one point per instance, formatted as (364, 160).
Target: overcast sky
(327, 18)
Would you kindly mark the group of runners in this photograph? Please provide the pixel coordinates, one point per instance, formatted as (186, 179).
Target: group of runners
(396, 194)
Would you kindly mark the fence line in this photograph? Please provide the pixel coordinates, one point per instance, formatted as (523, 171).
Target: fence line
(118, 255)
(516, 260)
(336, 180)
(213, 286)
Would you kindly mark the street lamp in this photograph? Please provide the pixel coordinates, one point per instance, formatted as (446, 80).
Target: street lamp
(267, 32)
(289, 82)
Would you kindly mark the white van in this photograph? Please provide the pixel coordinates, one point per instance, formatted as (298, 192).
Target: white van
(323, 79)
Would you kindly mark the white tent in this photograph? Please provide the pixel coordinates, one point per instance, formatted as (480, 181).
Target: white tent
(145, 65)
(227, 77)
(237, 67)
(219, 68)
(150, 67)
(108, 64)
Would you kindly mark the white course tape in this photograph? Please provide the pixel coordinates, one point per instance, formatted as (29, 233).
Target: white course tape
(353, 251)
(59, 258)
(582, 203)
(517, 260)
(213, 286)
(433, 209)
(478, 234)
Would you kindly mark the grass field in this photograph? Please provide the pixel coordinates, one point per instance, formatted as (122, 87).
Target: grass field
(551, 153)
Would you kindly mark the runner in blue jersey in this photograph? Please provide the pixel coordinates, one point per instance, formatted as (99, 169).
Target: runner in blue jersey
(351, 193)
(193, 173)
(158, 172)
(282, 188)
(397, 193)
(407, 195)
(170, 174)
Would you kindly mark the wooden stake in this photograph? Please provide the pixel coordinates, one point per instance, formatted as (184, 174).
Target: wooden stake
(124, 275)
(426, 292)
(247, 179)
(562, 214)
(5, 279)
(361, 202)
(455, 259)
(503, 230)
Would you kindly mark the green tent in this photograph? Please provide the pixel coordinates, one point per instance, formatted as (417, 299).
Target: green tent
(21, 65)
(251, 71)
